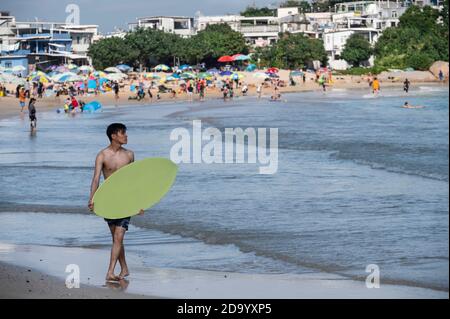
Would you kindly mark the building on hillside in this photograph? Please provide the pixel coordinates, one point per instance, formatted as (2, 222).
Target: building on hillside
(182, 26)
(37, 45)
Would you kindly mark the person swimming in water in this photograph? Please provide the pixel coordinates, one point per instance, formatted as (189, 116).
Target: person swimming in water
(407, 106)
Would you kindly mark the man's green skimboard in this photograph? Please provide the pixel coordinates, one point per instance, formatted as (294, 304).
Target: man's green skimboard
(133, 187)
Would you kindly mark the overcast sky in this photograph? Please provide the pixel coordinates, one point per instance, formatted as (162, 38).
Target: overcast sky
(109, 14)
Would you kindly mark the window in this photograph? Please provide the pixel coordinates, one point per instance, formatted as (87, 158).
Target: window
(394, 14)
(78, 40)
(8, 65)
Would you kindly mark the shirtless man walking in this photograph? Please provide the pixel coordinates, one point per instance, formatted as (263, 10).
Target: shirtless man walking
(108, 161)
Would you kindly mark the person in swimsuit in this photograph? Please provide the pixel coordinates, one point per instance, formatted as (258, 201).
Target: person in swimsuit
(108, 161)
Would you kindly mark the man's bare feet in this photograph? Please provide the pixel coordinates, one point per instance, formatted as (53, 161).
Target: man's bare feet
(124, 273)
(112, 277)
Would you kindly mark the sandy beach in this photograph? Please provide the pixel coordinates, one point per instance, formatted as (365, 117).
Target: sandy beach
(9, 106)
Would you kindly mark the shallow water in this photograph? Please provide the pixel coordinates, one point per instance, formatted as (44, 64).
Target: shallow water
(360, 181)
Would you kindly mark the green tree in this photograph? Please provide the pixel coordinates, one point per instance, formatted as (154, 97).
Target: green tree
(215, 41)
(258, 12)
(303, 6)
(292, 51)
(109, 52)
(420, 39)
(151, 45)
(357, 49)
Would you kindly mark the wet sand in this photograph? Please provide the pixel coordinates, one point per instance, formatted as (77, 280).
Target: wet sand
(28, 271)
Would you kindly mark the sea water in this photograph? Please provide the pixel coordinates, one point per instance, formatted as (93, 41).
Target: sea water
(360, 181)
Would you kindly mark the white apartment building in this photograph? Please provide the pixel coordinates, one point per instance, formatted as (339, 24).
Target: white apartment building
(6, 23)
(182, 26)
(368, 18)
(82, 37)
(257, 31)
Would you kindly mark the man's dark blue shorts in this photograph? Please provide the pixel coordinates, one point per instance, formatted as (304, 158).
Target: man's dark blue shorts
(122, 222)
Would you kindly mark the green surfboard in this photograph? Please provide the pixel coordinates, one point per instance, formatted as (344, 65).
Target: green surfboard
(136, 186)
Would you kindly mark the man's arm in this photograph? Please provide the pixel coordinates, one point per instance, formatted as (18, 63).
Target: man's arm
(96, 178)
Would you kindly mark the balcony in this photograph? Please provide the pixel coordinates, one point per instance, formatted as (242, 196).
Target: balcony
(259, 29)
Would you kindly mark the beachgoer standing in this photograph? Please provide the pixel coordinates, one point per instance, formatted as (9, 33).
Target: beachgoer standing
(22, 98)
(375, 85)
(441, 75)
(259, 90)
(406, 85)
(32, 113)
(40, 89)
(27, 89)
(116, 90)
(109, 160)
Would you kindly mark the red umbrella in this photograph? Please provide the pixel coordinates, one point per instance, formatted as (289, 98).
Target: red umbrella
(226, 58)
(272, 70)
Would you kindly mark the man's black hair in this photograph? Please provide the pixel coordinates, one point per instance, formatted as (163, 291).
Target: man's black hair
(115, 128)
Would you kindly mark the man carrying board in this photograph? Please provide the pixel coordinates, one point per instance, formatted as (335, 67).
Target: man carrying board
(108, 161)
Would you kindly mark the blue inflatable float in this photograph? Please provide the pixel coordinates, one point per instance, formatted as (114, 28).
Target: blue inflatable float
(92, 107)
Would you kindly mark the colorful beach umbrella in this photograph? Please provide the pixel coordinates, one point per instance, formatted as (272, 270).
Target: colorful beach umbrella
(99, 74)
(62, 69)
(112, 69)
(204, 75)
(272, 70)
(188, 75)
(86, 68)
(240, 57)
(226, 73)
(71, 66)
(225, 58)
(151, 76)
(116, 76)
(18, 68)
(213, 71)
(123, 67)
(184, 67)
(162, 67)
